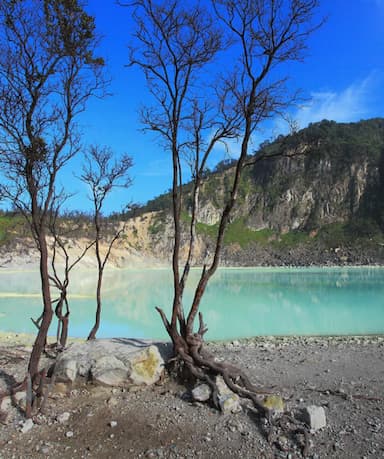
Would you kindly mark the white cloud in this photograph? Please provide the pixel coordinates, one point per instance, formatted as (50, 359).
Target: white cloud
(350, 104)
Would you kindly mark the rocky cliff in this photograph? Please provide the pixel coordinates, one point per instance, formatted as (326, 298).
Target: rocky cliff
(335, 174)
(319, 201)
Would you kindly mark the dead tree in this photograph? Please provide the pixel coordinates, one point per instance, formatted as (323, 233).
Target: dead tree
(102, 172)
(48, 71)
(60, 280)
(174, 43)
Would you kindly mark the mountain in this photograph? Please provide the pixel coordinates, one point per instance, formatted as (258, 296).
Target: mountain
(320, 200)
(317, 198)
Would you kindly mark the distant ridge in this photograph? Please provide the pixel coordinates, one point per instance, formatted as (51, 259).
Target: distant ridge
(323, 206)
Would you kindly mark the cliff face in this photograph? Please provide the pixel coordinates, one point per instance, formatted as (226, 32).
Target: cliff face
(324, 192)
(334, 175)
(303, 194)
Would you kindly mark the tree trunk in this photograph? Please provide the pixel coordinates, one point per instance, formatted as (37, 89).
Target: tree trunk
(41, 338)
(92, 334)
(63, 321)
(64, 330)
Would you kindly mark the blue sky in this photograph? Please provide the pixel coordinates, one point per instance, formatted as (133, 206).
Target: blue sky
(342, 79)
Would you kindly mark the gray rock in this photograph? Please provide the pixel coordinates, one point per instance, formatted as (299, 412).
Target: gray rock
(112, 401)
(109, 371)
(6, 404)
(21, 399)
(229, 402)
(26, 426)
(201, 393)
(315, 417)
(115, 362)
(63, 417)
(67, 370)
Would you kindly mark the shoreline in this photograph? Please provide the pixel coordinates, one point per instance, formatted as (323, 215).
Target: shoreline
(9, 339)
(27, 268)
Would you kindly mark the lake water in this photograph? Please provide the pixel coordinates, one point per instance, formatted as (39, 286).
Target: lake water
(238, 303)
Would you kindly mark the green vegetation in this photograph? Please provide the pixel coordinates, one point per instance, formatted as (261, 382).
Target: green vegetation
(157, 226)
(207, 230)
(291, 239)
(344, 234)
(238, 232)
(11, 225)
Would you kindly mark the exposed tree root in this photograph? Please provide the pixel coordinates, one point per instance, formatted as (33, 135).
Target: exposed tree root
(201, 365)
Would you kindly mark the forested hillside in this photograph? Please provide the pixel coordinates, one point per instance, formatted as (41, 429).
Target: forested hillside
(316, 195)
(315, 198)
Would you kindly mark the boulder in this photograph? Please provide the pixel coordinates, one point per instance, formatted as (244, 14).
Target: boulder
(20, 399)
(147, 366)
(109, 371)
(113, 362)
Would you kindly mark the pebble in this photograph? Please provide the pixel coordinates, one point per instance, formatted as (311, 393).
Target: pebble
(63, 417)
(315, 417)
(113, 424)
(26, 425)
(201, 393)
(112, 401)
(69, 434)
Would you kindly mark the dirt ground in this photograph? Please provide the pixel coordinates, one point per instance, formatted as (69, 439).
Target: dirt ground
(343, 375)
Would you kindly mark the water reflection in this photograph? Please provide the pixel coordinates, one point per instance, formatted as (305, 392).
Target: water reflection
(238, 302)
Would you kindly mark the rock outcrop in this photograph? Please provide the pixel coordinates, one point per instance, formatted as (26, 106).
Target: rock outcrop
(114, 362)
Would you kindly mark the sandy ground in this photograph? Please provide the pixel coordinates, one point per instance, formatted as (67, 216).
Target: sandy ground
(344, 375)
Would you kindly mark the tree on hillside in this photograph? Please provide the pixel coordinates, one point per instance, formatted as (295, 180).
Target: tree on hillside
(102, 173)
(48, 71)
(174, 44)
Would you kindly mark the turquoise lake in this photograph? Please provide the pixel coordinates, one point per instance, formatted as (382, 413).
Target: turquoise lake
(238, 303)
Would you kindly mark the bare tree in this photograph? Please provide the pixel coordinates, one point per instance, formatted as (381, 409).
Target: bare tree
(102, 173)
(60, 278)
(174, 42)
(48, 71)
